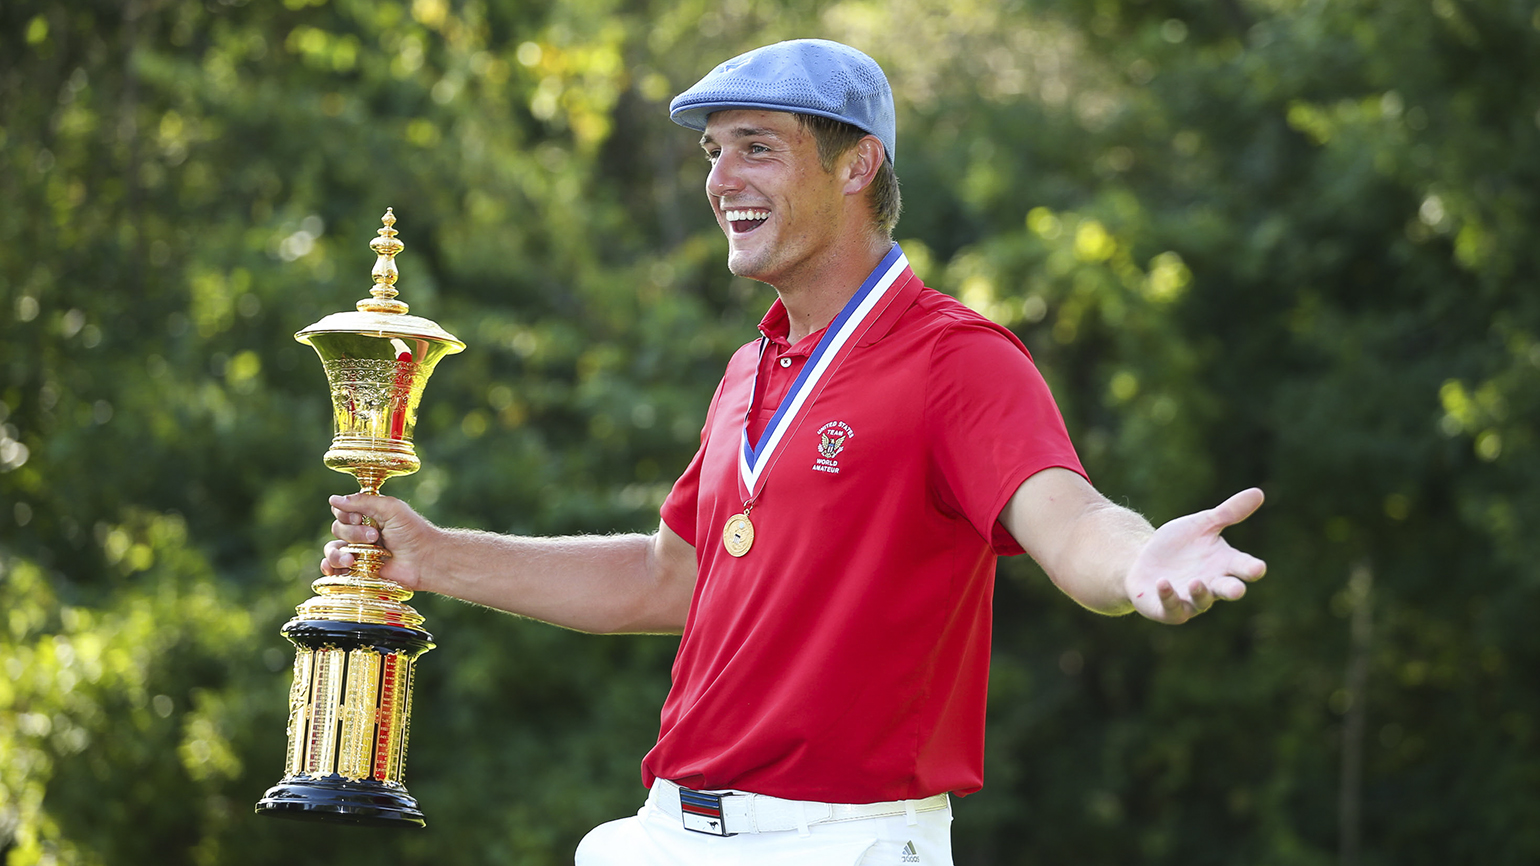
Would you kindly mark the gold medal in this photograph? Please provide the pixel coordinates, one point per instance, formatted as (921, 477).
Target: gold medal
(738, 534)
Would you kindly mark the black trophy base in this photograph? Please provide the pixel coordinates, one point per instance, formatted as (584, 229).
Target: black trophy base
(336, 800)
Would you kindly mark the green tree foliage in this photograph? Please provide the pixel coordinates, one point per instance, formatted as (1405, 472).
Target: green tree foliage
(1249, 242)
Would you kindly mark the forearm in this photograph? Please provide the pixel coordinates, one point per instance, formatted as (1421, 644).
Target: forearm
(1084, 542)
(1091, 564)
(613, 583)
(589, 583)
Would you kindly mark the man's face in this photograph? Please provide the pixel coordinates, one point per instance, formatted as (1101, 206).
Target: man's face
(771, 196)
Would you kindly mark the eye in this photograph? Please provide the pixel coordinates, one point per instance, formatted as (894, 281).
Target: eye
(711, 155)
(758, 148)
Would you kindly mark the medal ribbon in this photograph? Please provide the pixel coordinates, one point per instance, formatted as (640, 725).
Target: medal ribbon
(858, 314)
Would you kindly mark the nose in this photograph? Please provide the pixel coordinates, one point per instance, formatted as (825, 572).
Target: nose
(722, 180)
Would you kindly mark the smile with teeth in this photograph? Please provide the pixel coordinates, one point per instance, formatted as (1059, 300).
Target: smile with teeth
(743, 220)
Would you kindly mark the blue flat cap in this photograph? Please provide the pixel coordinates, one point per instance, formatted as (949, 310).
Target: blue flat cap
(804, 76)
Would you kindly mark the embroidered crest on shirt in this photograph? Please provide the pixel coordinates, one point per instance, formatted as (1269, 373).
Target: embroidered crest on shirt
(831, 441)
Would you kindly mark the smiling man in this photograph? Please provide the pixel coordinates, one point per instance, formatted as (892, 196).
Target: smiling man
(829, 553)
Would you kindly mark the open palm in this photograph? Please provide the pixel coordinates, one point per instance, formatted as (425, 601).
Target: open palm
(1187, 565)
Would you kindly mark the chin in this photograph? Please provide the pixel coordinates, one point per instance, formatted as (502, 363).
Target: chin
(742, 265)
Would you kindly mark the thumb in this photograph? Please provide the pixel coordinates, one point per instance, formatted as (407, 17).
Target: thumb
(1237, 508)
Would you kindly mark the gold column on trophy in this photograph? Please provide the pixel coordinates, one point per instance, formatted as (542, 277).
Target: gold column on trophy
(357, 641)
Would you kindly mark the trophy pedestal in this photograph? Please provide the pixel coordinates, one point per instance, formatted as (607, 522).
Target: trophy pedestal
(340, 801)
(350, 710)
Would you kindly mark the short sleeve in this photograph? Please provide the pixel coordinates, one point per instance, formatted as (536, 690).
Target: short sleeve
(680, 507)
(992, 424)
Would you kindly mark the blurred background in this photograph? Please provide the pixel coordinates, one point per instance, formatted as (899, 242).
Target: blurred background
(1286, 243)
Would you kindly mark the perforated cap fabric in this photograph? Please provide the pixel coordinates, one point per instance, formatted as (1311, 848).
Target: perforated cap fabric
(806, 76)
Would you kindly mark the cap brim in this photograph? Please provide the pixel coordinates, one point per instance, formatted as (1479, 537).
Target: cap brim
(696, 116)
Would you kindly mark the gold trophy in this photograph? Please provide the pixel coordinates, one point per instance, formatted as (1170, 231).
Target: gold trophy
(356, 642)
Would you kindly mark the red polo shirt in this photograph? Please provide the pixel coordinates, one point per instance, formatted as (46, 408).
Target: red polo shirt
(845, 658)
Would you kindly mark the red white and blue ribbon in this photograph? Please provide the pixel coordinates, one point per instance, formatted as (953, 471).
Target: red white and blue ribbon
(858, 314)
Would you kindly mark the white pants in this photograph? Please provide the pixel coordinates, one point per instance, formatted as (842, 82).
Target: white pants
(655, 838)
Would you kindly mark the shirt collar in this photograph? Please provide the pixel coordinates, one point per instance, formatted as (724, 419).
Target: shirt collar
(776, 325)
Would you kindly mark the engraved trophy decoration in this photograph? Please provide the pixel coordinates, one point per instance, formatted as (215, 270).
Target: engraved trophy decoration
(356, 641)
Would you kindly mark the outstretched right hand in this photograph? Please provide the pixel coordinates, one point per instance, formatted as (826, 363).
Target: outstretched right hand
(404, 533)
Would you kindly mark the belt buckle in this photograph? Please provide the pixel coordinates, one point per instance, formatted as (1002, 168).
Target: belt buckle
(702, 812)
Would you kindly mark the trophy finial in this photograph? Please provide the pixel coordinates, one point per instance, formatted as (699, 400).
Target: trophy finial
(384, 293)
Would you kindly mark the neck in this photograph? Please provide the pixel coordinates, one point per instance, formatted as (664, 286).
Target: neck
(811, 304)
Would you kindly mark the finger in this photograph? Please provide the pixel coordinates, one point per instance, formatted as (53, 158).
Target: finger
(1169, 599)
(1238, 507)
(346, 509)
(1202, 599)
(1228, 588)
(355, 534)
(337, 559)
(366, 503)
(352, 517)
(1247, 567)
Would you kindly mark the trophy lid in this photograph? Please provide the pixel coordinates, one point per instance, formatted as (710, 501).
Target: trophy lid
(381, 314)
(382, 325)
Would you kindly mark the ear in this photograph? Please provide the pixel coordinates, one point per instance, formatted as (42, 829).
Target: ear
(863, 161)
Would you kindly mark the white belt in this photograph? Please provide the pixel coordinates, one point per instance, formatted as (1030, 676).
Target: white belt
(757, 813)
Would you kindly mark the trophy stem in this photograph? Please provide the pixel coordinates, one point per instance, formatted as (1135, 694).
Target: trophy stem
(370, 480)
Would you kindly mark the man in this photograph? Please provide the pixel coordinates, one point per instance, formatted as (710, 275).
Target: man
(829, 553)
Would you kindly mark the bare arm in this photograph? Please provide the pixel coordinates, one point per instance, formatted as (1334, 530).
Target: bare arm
(604, 584)
(1113, 561)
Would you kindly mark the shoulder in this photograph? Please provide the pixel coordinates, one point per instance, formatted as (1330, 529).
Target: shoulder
(744, 360)
(950, 324)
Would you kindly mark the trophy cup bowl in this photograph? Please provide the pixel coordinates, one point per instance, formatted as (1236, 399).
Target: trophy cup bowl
(357, 641)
